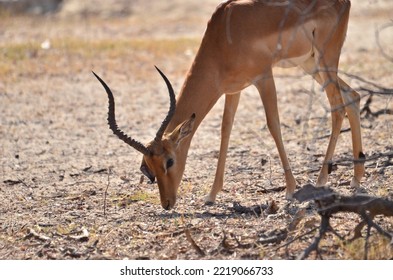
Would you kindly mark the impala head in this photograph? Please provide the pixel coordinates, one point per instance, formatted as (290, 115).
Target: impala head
(160, 155)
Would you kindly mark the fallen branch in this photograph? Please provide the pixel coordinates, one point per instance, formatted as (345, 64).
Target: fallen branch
(330, 203)
(276, 238)
(269, 208)
(83, 236)
(315, 244)
(32, 233)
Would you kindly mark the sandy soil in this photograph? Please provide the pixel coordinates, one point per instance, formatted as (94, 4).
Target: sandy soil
(71, 190)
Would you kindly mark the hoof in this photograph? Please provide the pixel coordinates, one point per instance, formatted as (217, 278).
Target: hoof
(355, 183)
(321, 184)
(209, 201)
(289, 196)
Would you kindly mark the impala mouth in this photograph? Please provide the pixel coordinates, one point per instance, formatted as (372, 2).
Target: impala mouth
(146, 171)
(168, 205)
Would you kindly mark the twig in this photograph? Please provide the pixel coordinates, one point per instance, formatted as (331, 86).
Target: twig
(367, 110)
(269, 208)
(363, 80)
(32, 233)
(106, 190)
(11, 182)
(377, 31)
(328, 135)
(298, 237)
(193, 243)
(277, 238)
(84, 236)
(80, 182)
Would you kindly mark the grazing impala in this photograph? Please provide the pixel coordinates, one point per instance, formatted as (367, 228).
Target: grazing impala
(243, 41)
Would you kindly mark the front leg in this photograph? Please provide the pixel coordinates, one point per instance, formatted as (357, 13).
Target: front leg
(231, 103)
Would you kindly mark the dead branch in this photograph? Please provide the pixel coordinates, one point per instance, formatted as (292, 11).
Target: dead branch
(83, 236)
(32, 233)
(268, 208)
(366, 110)
(329, 203)
(255, 210)
(276, 237)
(315, 244)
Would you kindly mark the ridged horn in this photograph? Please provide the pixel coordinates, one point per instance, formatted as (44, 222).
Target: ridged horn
(172, 107)
(113, 125)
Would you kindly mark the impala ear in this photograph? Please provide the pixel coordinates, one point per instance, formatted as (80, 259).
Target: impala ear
(182, 130)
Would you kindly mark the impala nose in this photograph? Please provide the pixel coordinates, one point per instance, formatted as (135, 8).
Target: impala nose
(168, 204)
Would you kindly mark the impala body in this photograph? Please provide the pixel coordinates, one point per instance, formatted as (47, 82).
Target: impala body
(243, 41)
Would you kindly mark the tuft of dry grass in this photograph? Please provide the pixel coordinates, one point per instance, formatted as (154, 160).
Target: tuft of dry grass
(379, 248)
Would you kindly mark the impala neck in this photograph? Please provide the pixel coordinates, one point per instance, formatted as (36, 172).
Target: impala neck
(202, 86)
(198, 95)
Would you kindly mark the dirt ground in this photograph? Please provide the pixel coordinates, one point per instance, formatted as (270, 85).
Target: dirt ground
(69, 189)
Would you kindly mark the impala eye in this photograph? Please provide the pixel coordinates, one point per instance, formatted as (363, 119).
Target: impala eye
(169, 163)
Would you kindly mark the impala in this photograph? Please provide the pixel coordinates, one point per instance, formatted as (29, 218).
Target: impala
(243, 41)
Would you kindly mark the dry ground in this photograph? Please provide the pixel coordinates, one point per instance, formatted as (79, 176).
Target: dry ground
(58, 156)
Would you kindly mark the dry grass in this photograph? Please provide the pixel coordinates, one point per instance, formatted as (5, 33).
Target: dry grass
(70, 55)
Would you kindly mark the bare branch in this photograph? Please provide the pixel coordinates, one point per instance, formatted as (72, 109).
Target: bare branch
(330, 203)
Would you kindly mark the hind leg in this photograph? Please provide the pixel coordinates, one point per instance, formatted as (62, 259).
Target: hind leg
(352, 107)
(337, 113)
(337, 117)
(341, 98)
